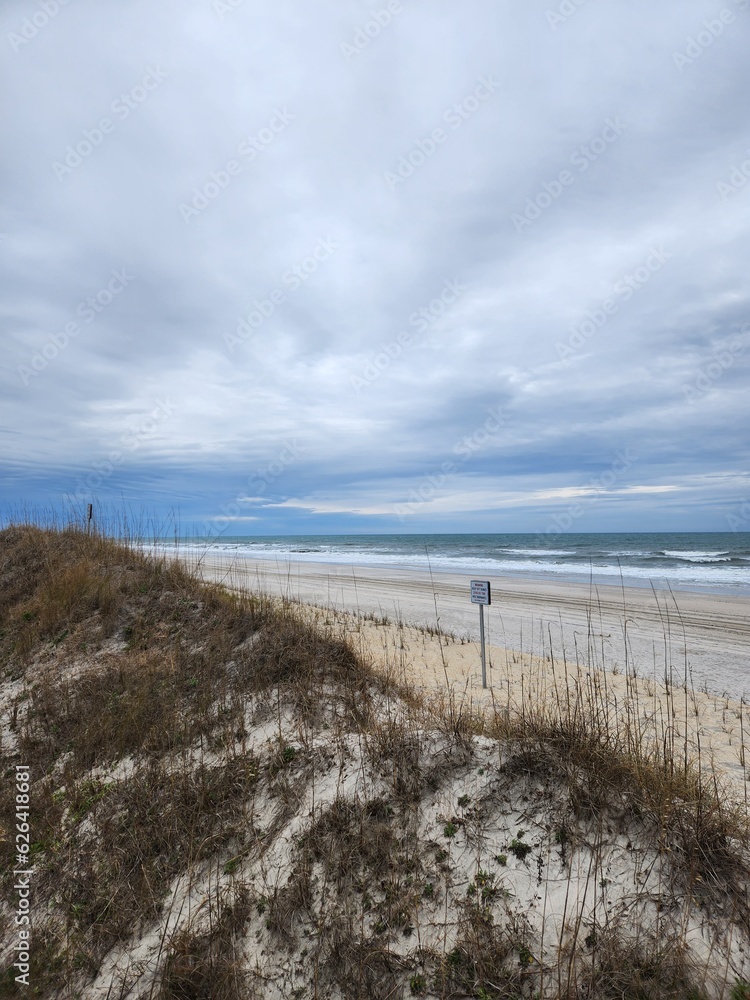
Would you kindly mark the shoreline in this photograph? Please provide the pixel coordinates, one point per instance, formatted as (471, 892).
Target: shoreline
(540, 576)
(701, 638)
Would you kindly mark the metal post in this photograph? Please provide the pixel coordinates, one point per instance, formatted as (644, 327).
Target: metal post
(481, 637)
(481, 594)
(90, 518)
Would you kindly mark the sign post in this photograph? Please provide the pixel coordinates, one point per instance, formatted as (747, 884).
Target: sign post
(481, 595)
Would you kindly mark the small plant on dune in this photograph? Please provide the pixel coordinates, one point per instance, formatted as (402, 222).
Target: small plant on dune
(418, 985)
(518, 848)
(525, 958)
(483, 886)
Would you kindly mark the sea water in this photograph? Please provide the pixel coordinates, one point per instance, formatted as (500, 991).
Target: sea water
(703, 561)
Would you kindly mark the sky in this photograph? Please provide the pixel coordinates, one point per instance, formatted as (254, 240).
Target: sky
(390, 266)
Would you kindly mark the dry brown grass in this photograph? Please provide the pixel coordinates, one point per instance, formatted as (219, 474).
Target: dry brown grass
(179, 657)
(706, 834)
(648, 969)
(208, 965)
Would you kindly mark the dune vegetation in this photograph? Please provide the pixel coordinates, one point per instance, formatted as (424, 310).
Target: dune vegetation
(228, 800)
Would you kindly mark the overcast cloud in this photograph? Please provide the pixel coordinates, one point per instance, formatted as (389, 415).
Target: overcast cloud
(403, 266)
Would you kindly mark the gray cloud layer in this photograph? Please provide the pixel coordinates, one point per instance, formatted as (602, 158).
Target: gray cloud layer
(435, 268)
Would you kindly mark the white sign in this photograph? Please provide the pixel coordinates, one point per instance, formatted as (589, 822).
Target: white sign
(480, 592)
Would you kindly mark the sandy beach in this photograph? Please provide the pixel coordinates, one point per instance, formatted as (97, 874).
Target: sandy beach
(627, 653)
(658, 634)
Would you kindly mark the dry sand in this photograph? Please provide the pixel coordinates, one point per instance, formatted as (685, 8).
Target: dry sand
(656, 633)
(628, 650)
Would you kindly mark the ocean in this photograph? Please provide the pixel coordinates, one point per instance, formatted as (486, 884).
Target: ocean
(702, 561)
